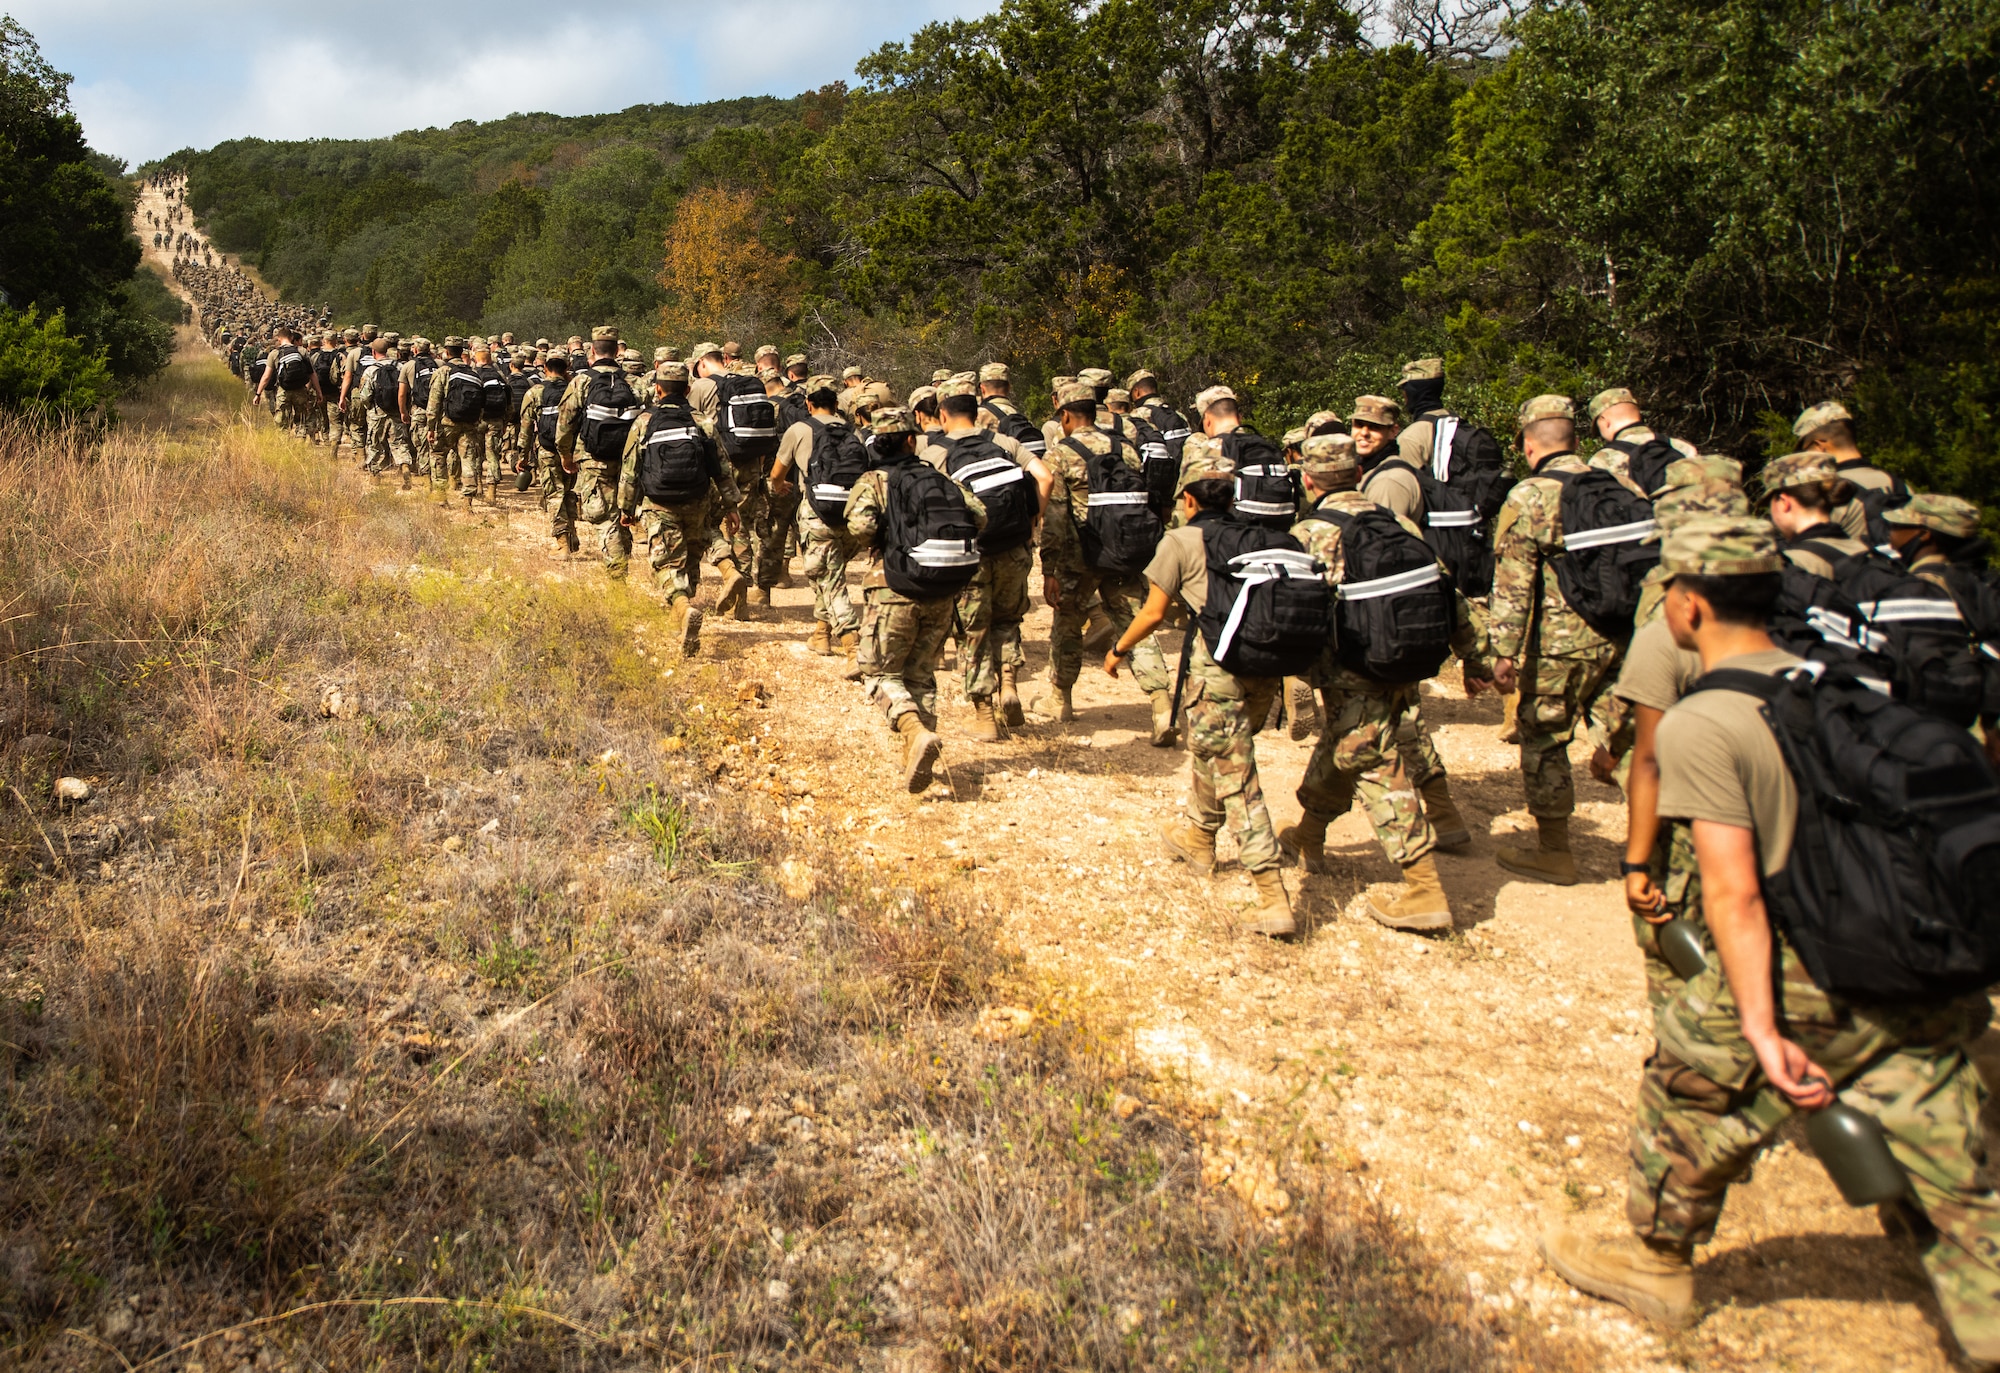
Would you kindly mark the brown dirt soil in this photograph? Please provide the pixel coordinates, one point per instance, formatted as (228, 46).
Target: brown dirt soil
(1479, 1085)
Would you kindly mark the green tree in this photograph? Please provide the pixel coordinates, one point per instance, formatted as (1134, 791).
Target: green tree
(46, 372)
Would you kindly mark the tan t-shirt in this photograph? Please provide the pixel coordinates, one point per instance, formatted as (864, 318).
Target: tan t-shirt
(1810, 560)
(1719, 761)
(1396, 490)
(1657, 671)
(1180, 567)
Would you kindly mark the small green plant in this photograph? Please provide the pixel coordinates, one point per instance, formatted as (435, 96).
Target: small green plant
(665, 823)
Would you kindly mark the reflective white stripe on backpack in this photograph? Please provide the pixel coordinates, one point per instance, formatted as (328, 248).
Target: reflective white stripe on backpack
(672, 435)
(1452, 519)
(1272, 508)
(1610, 534)
(945, 553)
(555, 409)
(1263, 565)
(1012, 474)
(606, 413)
(1175, 435)
(1154, 452)
(1117, 498)
(826, 491)
(1443, 431)
(965, 474)
(1906, 608)
(1394, 585)
(1038, 447)
(1838, 629)
(750, 431)
(1987, 648)
(472, 377)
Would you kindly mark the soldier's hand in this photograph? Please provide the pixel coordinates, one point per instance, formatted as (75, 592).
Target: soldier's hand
(1644, 899)
(732, 522)
(1506, 677)
(781, 487)
(1052, 592)
(1111, 661)
(626, 520)
(1603, 766)
(1792, 1071)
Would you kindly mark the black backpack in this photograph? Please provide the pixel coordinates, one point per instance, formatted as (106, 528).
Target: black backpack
(1818, 621)
(384, 381)
(609, 408)
(1173, 428)
(495, 395)
(548, 412)
(1464, 487)
(420, 382)
(464, 393)
(837, 461)
(792, 409)
(255, 371)
(518, 386)
(989, 472)
(1875, 502)
(1015, 425)
(1977, 592)
(1121, 531)
(1891, 892)
(746, 418)
(930, 547)
(673, 459)
(1646, 463)
(1159, 466)
(1395, 607)
(322, 365)
(1917, 627)
(1266, 490)
(1269, 611)
(1602, 566)
(293, 369)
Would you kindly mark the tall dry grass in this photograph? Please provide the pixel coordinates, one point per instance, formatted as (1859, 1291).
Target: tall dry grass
(464, 1026)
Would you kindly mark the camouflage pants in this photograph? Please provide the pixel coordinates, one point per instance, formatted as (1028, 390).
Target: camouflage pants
(827, 552)
(354, 424)
(1705, 1111)
(1557, 695)
(388, 442)
(990, 611)
(676, 538)
(1677, 875)
(1122, 597)
(332, 423)
(494, 434)
(780, 512)
(458, 453)
(1357, 756)
(597, 504)
(1224, 712)
(1414, 746)
(295, 410)
(747, 544)
(559, 499)
(901, 641)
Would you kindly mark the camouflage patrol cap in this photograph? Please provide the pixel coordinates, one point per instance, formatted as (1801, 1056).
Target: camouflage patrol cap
(670, 370)
(941, 374)
(1117, 395)
(420, 345)
(1706, 467)
(1057, 383)
(1547, 407)
(1604, 400)
(541, 343)
(370, 329)
(1330, 458)
(1796, 469)
(1948, 515)
(993, 371)
(1210, 397)
(892, 419)
(603, 333)
(1294, 437)
(453, 341)
(732, 350)
(823, 381)
(769, 374)
(392, 338)
(351, 334)
(1098, 378)
(1375, 410)
(957, 386)
(765, 350)
(795, 360)
(1707, 498)
(920, 395)
(1424, 369)
(704, 349)
(1132, 382)
(1721, 546)
(475, 340)
(628, 355)
(1818, 417)
(879, 393)
(662, 353)
(851, 374)
(1077, 392)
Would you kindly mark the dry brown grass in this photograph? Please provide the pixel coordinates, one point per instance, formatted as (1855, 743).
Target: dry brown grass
(471, 1028)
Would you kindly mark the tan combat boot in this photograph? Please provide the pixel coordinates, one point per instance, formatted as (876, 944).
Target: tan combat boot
(1302, 705)
(1056, 703)
(821, 641)
(850, 644)
(1186, 842)
(1272, 915)
(1549, 861)
(1164, 732)
(690, 631)
(406, 479)
(1655, 1281)
(730, 597)
(1098, 632)
(757, 596)
(1010, 699)
(1421, 906)
(985, 726)
(1305, 843)
(920, 752)
(1443, 814)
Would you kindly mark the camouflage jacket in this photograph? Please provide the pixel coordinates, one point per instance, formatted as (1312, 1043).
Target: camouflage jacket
(867, 510)
(1069, 496)
(1322, 539)
(1527, 615)
(570, 418)
(721, 476)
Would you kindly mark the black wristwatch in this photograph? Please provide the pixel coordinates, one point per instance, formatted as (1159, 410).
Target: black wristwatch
(1121, 654)
(1627, 869)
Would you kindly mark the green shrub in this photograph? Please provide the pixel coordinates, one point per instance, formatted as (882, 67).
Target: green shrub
(46, 373)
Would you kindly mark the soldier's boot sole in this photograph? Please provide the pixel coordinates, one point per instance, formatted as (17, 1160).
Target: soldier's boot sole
(1302, 846)
(1655, 1285)
(691, 634)
(1164, 733)
(920, 754)
(1272, 915)
(1186, 842)
(1303, 709)
(730, 594)
(1010, 700)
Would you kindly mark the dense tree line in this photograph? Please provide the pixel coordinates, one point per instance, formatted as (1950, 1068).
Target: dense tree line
(1734, 206)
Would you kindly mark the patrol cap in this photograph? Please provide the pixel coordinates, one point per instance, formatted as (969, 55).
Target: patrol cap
(957, 386)
(1605, 399)
(1057, 383)
(850, 374)
(352, 335)
(392, 337)
(1117, 395)
(993, 371)
(541, 343)
(765, 350)
(662, 353)
(891, 419)
(1721, 546)
(1818, 417)
(670, 370)
(1097, 378)
(732, 350)
(1375, 410)
(702, 350)
(628, 355)
(879, 393)
(1330, 458)
(1424, 369)
(1132, 382)
(768, 374)
(475, 340)
(420, 345)
(1682, 503)
(823, 382)
(1707, 467)
(603, 333)
(1210, 397)
(1077, 392)
(1319, 420)
(1546, 407)
(941, 374)
(1950, 515)
(1796, 469)
(922, 394)
(795, 360)
(370, 329)
(453, 341)
(1294, 437)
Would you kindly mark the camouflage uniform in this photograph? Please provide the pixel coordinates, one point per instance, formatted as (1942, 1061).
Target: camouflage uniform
(1224, 713)
(596, 479)
(458, 443)
(680, 535)
(1566, 667)
(388, 436)
(827, 552)
(991, 608)
(558, 485)
(1062, 558)
(1361, 749)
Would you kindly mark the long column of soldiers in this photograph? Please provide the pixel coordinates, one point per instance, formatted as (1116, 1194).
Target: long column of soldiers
(1633, 596)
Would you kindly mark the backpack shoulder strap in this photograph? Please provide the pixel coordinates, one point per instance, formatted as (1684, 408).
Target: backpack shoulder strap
(1389, 463)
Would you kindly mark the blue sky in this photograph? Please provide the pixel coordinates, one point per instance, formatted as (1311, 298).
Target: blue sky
(154, 77)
